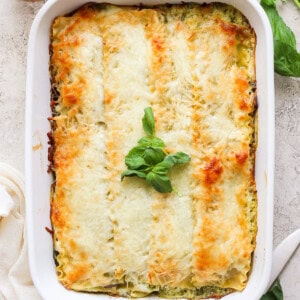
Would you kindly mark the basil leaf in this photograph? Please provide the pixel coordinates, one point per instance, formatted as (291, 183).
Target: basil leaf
(160, 181)
(286, 57)
(162, 168)
(268, 2)
(171, 160)
(274, 293)
(159, 178)
(297, 2)
(131, 173)
(151, 142)
(134, 159)
(153, 156)
(148, 121)
(178, 158)
(141, 156)
(281, 31)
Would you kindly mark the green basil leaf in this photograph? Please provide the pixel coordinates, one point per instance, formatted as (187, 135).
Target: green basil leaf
(153, 156)
(286, 57)
(177, 158)
(287, 60)
(162, 168)
(268, 2)
(274, 293)
(148, 121)
(151, 142)
(281, 31)
(160, 182)
(171, 160)
(297, 2)
(131, 173)
(134, 159)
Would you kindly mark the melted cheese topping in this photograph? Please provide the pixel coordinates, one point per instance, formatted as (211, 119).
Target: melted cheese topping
(194, 65)
(131, 200)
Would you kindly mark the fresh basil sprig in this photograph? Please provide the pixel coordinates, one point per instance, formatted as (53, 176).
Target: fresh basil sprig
(286, 57)
(148, 122)
(274, 293)
(149, 159)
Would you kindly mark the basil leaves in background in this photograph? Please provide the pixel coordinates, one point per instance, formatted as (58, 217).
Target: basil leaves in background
(150, 161)
(286, 57)
(274, 293)
(297, 2)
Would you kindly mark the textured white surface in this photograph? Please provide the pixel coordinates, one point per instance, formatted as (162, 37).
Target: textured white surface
(15, 19)
(15, 281)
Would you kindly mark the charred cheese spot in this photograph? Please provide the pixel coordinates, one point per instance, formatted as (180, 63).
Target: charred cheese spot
(108, 98)
(242, 157)
(77, 273)
(242, 84)
(212, 171)
(71, 94)
(243, 105)
(58, 218)
(230, 29)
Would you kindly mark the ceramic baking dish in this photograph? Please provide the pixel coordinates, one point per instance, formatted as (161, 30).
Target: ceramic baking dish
(38, 180)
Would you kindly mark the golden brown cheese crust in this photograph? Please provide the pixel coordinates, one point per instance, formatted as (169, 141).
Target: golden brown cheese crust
(195, 66)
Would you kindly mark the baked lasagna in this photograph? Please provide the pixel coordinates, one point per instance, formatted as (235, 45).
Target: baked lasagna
(195, 66)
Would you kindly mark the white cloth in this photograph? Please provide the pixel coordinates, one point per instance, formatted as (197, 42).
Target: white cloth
(6, 202)
(15, 279)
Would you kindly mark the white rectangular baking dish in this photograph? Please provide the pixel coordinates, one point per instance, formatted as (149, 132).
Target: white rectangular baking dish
(38, 180)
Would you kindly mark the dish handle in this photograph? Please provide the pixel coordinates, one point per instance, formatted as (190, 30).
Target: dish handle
(283, 253)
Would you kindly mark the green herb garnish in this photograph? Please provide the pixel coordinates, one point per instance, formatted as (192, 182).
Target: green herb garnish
(286, 57)
(274, 293)
(149, 159)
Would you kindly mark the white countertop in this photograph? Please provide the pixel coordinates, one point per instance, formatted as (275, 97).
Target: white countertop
(15, 20)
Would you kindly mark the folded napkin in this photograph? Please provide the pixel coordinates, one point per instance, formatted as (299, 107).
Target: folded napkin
(6, 202)
(15, 280)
